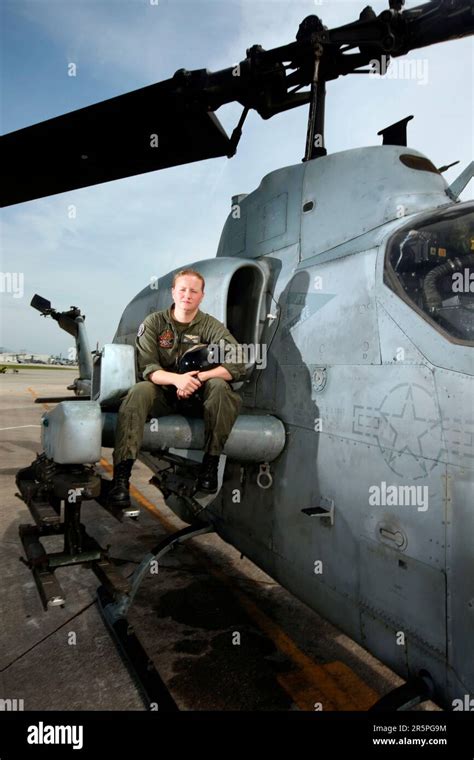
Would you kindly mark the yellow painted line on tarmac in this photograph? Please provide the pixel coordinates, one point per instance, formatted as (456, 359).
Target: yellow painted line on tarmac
(331, 686)
(35, 395)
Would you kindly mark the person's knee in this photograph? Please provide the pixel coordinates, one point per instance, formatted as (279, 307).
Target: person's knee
(216, 385)
(219, 390)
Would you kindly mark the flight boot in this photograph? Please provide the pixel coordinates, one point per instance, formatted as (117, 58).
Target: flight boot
(207, 478)
(119, 494)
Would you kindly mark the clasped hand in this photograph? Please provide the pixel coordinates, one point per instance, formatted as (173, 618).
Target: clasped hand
(187, 384)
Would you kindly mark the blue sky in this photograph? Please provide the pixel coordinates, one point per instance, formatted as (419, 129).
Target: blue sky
(128, 231)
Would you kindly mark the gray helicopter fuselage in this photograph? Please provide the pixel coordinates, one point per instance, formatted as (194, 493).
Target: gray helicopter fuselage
(376, 401)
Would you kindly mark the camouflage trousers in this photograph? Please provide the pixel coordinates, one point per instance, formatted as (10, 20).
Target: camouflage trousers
(219, 405)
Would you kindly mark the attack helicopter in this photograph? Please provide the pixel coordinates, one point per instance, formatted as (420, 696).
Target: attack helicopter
(348, 475)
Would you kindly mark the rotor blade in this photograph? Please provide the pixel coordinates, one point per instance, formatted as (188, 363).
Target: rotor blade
(141, 131)
(434, 22)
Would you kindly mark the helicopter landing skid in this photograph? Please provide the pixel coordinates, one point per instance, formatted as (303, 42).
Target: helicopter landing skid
(150, 686)
(114, 609)
(415, 691)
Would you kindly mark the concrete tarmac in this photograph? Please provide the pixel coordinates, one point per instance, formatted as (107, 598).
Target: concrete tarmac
(222, 634)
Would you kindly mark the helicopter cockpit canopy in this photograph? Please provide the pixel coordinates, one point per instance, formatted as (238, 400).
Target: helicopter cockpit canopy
(430, 264)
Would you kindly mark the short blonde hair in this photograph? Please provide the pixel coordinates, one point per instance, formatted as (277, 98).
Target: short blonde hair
(191, 272)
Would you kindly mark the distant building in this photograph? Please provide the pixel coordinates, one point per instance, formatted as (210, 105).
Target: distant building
(23, 357)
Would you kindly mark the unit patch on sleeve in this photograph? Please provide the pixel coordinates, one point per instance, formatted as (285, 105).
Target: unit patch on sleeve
(141, 330)
(166, 339)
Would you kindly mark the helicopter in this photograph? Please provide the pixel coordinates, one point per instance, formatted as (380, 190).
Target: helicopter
(348, 474)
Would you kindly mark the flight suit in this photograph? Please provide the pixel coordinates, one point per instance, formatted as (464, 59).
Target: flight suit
(160, 343)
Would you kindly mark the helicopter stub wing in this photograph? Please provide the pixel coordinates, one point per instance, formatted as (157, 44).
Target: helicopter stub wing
(141, 131)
